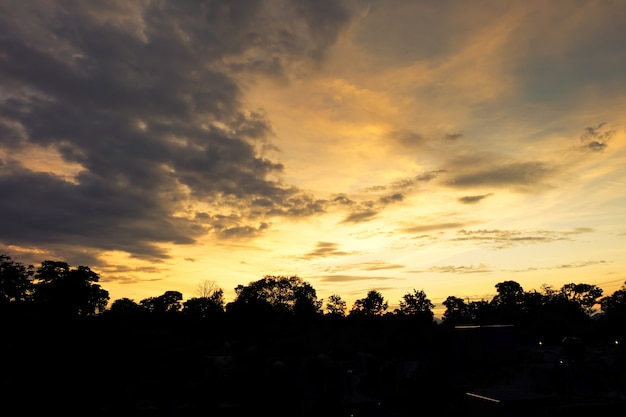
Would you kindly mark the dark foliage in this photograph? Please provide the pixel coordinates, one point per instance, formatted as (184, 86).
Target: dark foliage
(273, 351)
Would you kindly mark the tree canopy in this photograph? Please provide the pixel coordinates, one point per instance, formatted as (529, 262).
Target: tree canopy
(373, 304)
(60, 289)
(278, 294)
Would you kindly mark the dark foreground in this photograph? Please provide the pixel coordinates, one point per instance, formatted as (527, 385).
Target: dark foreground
(144, 369)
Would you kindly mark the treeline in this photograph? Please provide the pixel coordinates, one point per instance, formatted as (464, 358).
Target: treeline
(55, 289)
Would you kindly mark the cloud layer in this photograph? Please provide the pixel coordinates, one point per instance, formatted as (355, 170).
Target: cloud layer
(415, 138)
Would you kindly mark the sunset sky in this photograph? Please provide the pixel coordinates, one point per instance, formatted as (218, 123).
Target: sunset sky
(442, 146)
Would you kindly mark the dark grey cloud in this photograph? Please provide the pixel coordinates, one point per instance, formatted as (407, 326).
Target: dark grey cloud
(145, 98)
(473, 199)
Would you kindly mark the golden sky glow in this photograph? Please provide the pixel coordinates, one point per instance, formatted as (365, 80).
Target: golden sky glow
(389, 145)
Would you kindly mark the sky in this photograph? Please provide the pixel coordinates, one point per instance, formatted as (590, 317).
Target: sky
(360, 145)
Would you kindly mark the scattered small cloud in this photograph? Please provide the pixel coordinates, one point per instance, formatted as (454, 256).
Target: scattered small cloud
(572, 265)
(361, 216)
(521, 176)
(596, 138)
(473, 199)
(348, 278)
(325, 250)
(506, 238)
(463, 269)
(368, 209)
(452, 136)
(433, 227)
(365, 266)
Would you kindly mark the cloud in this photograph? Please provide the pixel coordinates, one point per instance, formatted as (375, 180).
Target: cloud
(433, 227)
(122, 274)
(464, 269)
(361, 216)
(572, 265)
(146, 99)
(366, 266)
(596, 138)
(505, 238)
(473, 199)
(96, 213)
(453, 136)
(325, 250)
(368, 209)
(523, 176)
(348, 278)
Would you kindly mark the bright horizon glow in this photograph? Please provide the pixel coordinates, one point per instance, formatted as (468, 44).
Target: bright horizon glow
(396, 145)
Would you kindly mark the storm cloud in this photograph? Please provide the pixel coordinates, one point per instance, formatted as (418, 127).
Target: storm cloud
(146, 99)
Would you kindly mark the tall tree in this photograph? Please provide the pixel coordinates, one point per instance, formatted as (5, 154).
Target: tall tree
(373, 304)
(336, 306)
(280, 294)
(15, 281)
(60, 289)
(416, 304)
(614, 305)
(124, 307)
(209, 306)
(584, 295)
(508, 303)
(168, 302)
(457, 311)
(208, 289)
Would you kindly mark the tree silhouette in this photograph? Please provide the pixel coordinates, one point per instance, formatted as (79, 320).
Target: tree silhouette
(584, 295)
(508, 302)
(16, 284)
(124, 307)
(167, 303)
(417, 305)
(335, 306)
(69, 292)
(205, 307)
(614, 305)
(278, 294)
(209, 289)
(373, 304)
(457, 311)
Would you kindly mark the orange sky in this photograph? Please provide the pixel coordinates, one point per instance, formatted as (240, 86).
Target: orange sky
(388, 145)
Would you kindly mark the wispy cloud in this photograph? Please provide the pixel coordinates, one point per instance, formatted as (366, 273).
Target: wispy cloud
(462, 269)
(572, 265)
(500, 239)
(433, 227)
(596, 138)
(522, 176)
(349, 278)
(473, 199)
(325, 250)
(365, 266)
